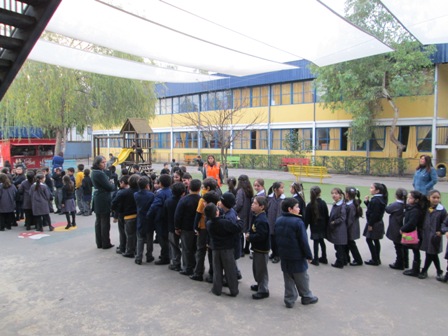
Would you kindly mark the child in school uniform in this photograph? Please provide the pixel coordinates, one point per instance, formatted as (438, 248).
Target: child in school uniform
(184, 217)
(87, 186)
(7, 202)
(416, 205)
(68, 205)
(445, 232)
(259, 187)
(297, 193)
(337, 227)
(145, 233)
(295, 254)
(275, 198)
(374, 229)
(222, 238)
(354, 212)
(40, 197)
(316, 217)
(396, 212)
(432, 234)
(178, 190)
(258, 236)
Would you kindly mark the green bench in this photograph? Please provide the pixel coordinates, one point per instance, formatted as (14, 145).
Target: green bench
(308, 171)
(233, 160)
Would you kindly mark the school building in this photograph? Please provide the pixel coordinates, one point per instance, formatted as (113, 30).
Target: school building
(286, 101)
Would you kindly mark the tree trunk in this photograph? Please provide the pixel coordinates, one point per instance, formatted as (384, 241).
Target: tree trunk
(398, 144)
(60, 140)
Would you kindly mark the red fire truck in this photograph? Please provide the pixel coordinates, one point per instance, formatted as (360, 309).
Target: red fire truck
(32, 152)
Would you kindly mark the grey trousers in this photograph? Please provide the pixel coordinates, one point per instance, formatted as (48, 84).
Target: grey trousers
(81, 205)
(175, 253)
(224, 260)
(130, 228)
(296, 284)
(58, 198)
(260, 270)
(201, 250)
(141, 240)
(188, 242)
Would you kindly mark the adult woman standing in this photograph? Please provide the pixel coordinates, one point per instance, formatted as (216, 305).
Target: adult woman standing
(244, 194)
(425, 176)
(101, 202)
(212, 169)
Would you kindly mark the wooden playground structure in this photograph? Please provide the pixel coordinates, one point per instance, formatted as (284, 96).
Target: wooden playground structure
(134, 129)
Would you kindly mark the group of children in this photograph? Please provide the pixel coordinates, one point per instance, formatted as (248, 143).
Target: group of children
(29, 195)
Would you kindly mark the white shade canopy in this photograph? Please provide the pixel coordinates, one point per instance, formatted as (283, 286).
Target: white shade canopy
(232, 37)
(427, 20)
(63, 56)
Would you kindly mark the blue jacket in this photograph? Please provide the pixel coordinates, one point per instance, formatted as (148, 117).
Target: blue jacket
(259, 234)
(143, 200)
(155, 213)
(424, 181)
(292, 241)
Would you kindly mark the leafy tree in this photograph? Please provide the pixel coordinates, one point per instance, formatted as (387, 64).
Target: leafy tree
(58, 99)
(219, 125)
(294, 144)
(360, 86)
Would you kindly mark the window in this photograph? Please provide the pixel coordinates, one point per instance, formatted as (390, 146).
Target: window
(260, 95)
(166, 106)
(403, 136)
(176, 103)
(189, 103)
(262, 139)
(278, 137)
(157, 106)
(328, 138)
(161, 140)
(297, 93)
(424, 138)
(376, 143)
(286, 94)
(241, 98)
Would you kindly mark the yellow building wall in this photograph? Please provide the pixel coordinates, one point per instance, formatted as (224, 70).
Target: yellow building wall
(443, 91)
(291, 113)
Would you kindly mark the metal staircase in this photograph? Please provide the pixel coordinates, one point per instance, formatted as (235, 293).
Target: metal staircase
(21, 24)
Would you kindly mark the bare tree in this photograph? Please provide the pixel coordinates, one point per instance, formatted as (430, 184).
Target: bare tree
(222, 125)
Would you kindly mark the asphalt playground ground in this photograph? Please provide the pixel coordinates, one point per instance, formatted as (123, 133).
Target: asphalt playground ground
(62, 284)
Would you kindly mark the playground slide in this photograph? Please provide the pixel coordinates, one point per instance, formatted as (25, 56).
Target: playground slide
(123, 155)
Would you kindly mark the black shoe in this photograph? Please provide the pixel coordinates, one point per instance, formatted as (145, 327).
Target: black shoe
(138, 261)
(315, 262)
(174, 268)
(259, 296)
(68, 226)
(118, 251)
(74, 224)
(197, 277)
(239, 276)
(442, 278)
(254, 288)
(423, 275)
(323, 260)
(307, 301)
(108, 247)
(28, 228)
(289, 305)
(162, 262)
(275, 260)
(411, 272)
(50, 227)
(209, 278)
(79, 213)
(371, 262)
(186, 272)
(150, 259)
(355, 263)
(396, 266)
(336, 265)
(128, 255)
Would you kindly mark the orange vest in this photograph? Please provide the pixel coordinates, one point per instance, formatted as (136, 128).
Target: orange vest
(213, 171)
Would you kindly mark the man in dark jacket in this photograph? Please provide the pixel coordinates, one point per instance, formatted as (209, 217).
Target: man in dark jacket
(294, 252)
(101, 202)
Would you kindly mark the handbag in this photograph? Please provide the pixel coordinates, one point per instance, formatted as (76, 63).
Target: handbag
(409, 238)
